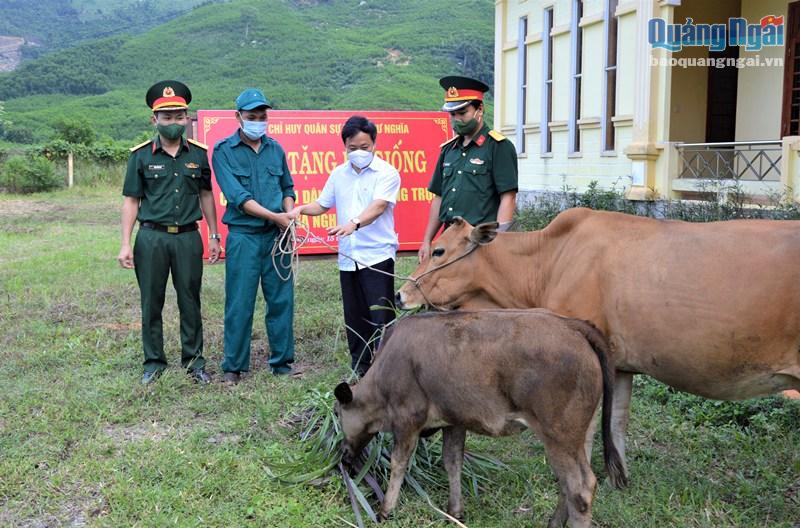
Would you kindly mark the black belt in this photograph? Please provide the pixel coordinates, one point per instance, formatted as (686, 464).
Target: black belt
(173, 230)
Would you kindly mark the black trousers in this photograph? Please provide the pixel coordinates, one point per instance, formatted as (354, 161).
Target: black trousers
(362, 289)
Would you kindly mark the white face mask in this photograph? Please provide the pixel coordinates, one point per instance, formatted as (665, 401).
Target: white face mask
(360, 158)
(254, 129)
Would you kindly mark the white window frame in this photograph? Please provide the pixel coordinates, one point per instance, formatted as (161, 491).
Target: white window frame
(547, 82)
(576, 71)
(607, 113)
(522, 81)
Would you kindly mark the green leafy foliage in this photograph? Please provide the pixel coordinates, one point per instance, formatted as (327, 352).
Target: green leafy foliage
(725, 202)
(330, 55)
(53, 24)
(82, 70)
(27, 174)
(3, 121)
(763, 414)
(102, 151)
(18, 134)
(75, 131)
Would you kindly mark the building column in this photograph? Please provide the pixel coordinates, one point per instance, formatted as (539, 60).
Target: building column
(651, 112)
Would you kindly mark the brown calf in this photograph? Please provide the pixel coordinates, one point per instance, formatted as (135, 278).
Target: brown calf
(492, 373)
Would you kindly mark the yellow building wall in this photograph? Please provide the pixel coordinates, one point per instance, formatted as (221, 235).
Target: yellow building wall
(760, 121)
(626, 55)
(689, 99)
(560, 169)
(592, 73)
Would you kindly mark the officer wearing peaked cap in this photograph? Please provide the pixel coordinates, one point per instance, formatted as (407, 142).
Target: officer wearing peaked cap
(167, 189)
(476, 174)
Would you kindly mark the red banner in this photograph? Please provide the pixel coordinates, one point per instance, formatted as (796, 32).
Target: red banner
(313, 145)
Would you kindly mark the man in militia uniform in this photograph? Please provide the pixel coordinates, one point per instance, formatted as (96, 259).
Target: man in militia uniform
(476, 173)
(167, 185)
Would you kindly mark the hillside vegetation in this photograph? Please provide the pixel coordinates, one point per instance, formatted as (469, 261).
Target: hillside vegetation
(335, 54)
(53, 24)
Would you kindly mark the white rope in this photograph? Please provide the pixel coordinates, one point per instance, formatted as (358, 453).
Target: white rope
(289, 244)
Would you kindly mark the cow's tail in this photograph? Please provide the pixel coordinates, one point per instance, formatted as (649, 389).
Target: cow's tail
(614, 466)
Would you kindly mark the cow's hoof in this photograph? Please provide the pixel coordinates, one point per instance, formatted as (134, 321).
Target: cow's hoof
(382, 516)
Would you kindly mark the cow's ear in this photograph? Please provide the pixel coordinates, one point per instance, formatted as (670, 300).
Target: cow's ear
(343, 393)
(484, 233)
(458, 221)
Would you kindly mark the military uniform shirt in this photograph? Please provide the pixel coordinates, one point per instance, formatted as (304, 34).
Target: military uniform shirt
(169, 187)
(471, 179)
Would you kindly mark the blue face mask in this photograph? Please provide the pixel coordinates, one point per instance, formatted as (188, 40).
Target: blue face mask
(254, 129)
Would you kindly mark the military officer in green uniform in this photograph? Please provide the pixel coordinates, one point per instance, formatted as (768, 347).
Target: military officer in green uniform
(167, 185)
(476, 173)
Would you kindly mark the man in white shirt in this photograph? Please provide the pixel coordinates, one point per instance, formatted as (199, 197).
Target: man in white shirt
(364, 192)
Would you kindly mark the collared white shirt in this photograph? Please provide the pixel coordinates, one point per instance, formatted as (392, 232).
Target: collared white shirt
(351, 192)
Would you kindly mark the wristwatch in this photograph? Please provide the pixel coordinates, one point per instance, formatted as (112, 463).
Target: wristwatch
(357, 222)
(215, 236)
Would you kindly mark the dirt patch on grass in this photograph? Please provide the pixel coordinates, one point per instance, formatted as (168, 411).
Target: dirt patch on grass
(79, 506)
(394, 56)
(14, 209)
(63, 312)
(154, 431)
(120, 327)
(792, 494)
(158, 431)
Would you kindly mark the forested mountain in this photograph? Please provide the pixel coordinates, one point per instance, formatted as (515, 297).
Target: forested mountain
(53, 24)
(305, 54)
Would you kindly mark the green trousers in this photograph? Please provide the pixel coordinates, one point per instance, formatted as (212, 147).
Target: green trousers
(248, 262)
(155, 255)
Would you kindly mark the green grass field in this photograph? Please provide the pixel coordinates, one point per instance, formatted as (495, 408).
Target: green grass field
(83, 444)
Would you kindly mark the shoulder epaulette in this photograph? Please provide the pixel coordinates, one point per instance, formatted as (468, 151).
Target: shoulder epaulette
(197, 144)
(448, 141)
(140, 145)
(497, 136)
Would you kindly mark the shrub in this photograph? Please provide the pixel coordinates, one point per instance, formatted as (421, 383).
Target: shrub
(21, 174)
(770, 414)
(74, 131)
(19, 135)
(725, 203)
(102, 151)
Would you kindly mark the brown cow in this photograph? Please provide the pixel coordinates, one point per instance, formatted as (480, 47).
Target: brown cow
(493, 373)
(712, 309)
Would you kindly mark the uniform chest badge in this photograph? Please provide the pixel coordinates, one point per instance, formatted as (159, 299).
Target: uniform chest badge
(155, 167)
(476, 161)
(192, 166)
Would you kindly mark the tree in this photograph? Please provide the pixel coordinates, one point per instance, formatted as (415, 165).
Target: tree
(4, 123)
(75, 131)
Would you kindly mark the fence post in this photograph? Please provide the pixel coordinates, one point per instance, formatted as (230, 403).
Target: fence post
(70, 173)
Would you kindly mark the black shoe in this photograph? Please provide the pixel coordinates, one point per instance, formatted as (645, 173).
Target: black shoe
(200, 376)
(150, 376)
(281, 371)
(231, 377)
